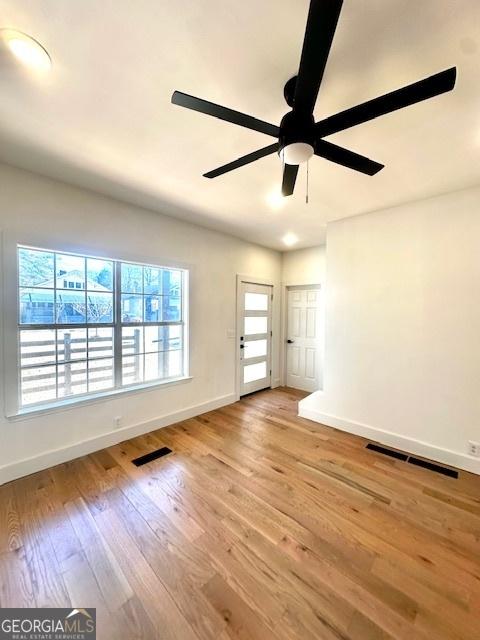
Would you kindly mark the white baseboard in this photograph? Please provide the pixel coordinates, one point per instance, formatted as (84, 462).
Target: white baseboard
(276, 383)
(57, 456)
(395, 440)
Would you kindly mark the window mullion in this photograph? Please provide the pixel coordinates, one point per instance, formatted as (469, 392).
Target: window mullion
(55, 320)
(87, 333)
(117, 326)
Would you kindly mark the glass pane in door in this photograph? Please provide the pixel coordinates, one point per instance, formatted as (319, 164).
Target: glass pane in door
(256, 302)
(254, 372)
(255, 348)
(256, 324)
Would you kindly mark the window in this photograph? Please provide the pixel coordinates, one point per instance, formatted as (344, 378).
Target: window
(92, 325)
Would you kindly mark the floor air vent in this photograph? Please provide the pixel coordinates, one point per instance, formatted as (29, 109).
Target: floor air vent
(434, 467)
(426, 464)
(153, 455)
(387, 452)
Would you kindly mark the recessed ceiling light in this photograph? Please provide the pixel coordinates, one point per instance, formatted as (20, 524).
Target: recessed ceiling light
(26, 50)
(289, 239)
(275, 199)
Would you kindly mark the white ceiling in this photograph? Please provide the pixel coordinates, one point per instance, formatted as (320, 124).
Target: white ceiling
(103, 119)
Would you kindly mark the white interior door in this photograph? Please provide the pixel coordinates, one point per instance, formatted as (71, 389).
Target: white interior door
(304, 344)
(255, 339)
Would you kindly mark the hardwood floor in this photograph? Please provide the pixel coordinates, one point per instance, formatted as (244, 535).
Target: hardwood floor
(259, 526)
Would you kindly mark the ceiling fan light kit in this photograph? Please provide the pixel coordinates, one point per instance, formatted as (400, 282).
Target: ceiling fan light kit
(297, 153)
(298, 136)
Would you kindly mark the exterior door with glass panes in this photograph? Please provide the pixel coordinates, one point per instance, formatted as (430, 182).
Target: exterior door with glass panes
(255, 339)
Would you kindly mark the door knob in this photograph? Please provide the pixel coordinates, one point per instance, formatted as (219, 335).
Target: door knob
(290, 341)
(242, 346)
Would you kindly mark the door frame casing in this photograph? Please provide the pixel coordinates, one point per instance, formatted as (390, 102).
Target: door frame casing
(238, 325)
(285, 286)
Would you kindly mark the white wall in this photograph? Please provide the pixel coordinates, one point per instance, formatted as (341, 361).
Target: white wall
(402, 361)
(304, 266)
(104, 226)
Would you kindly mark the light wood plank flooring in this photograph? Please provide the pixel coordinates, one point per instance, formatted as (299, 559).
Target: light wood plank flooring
(260, 526)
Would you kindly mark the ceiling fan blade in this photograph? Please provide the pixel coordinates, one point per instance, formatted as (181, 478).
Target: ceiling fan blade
(223, 113)
(347, 158)
(411, 94)
(250, 157)
(321, 24)
(289, 176)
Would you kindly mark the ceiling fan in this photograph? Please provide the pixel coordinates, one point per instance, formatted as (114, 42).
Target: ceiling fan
(299, 137)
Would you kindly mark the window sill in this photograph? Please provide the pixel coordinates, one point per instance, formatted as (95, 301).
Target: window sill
(73, 403)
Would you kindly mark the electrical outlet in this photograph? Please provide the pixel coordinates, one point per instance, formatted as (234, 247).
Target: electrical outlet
(117, 421)
(474, 448)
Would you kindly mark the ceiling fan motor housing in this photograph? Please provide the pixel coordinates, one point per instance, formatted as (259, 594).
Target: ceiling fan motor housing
(289, 91)
(297, 138)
